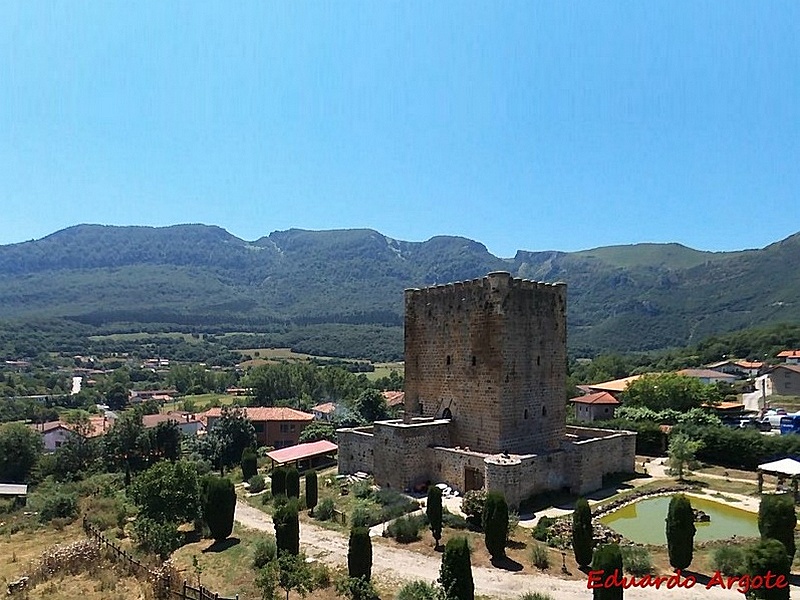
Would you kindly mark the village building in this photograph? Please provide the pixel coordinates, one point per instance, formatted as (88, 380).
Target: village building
(708, 376)
(485, 398)
(785, 379)
(790, 357)
(187, 422)
(276, 426)
(56, 433)
(594, 407)
(324, 411)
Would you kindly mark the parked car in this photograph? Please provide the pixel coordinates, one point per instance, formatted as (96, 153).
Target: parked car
(753, 423)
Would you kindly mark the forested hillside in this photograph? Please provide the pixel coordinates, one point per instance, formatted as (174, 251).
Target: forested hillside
(310, 287)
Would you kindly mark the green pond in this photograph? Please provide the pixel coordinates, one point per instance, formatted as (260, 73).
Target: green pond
(644, 521)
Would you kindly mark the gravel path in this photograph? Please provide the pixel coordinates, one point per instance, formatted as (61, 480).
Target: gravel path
(397, 564)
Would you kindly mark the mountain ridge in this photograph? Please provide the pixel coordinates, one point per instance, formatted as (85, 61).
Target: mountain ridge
(635, 297)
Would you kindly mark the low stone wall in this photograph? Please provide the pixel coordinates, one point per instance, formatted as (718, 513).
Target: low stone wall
(594, 457)
(355, 450)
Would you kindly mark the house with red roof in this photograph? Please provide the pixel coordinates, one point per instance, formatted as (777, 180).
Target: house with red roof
(324, 411)
(785, 379)
(594, 407)
(790, 357)
(276, 426)
(56, 433)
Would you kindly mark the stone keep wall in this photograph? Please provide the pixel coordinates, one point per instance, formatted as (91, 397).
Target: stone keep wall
(603, 453)
(403, 452)
(355, 450)
(492, 352)
(449, 465)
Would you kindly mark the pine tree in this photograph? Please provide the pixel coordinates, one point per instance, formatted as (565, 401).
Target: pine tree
(607, 558)
(287, 527)
(359, 553)
(434, 512)
(456, 570)
(249, 464)
(777, 520)
(680, 531)
(292, 483)
(495, 524)
(311, 490)
(219, 506)
(582, 534)
(278, 478)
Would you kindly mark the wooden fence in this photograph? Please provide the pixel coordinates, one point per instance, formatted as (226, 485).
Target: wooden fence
(167, 585)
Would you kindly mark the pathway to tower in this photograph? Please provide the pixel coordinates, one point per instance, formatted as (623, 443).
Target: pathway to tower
(398, 565)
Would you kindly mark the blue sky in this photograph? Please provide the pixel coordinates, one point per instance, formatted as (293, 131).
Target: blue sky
(523, 125)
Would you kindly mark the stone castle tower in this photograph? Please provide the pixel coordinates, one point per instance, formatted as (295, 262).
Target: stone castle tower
(489, 354)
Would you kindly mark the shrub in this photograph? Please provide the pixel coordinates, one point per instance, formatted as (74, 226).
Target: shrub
(219, 505)
(278, 482)
(292, 483)
(729, 560)
(326, 509)
(769, 556)
(434, 512)
(453, 521)
(266, 498)
(406, 529)
(540, 556)
(362, 515)
(418, 590)
(541, 532)
(362, 489)
(58, 506)
(249, 464)
(359, 553)
(777, 520)
(607, 558)
(472, 507)
(582, 533)
(636, 560)
(257, 484)
(287, 528)
(158, 537)
(311, 490)
(455, 574)
(680, 531)
(265, 551)
(495, 524)
(534, 596)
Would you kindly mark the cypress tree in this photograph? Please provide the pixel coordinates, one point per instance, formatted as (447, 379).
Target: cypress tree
(287, 528)
(278, 479)
(359, 553)
(249, 464)
(495, 524)
(680, 531)
(219, 506)
(607, 558)
(777, 520)
(769, 556)
(433, 509)
(292, 483)
(455, 574)
(311, 490)
(582, 534)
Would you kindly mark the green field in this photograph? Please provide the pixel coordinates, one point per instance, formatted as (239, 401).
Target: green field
(203, 402)
(384, 369)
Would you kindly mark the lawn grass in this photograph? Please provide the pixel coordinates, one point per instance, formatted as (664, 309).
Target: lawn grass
(385, 369)
(203, 402)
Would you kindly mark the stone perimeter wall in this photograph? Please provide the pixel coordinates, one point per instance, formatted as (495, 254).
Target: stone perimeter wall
(402, 456)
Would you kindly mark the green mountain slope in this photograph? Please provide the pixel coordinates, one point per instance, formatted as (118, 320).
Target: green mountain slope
(638, 297)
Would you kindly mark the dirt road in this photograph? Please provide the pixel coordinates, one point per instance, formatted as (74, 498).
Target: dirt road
(399, 565)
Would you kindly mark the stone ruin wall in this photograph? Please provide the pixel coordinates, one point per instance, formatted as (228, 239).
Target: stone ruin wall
(493, 352)
(403, 452)
(596, 453)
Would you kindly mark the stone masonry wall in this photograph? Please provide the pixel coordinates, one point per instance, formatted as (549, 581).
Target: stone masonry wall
(592, 458)
(403, 452)
(492, 353)
(355, 450)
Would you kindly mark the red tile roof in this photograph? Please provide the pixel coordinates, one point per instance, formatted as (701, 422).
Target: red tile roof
(789, 354)
(324, 408)
(265, 413)
(596, 398)
(617, 385)
(705, 374)
(97, 426)
(745, 364)
(177, 416)
(301, 451)
(394, 398)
